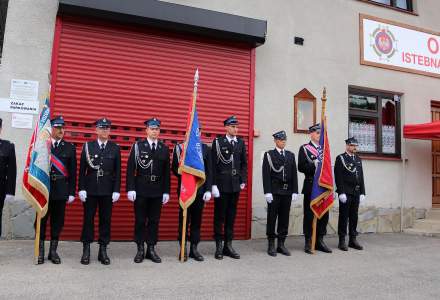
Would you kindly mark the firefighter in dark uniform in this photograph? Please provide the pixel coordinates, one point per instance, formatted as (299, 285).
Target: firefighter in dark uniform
(62, 188)
(8, 173)
(307, 163)
(148, 186)
(229, 161)
(280, 184)
(99, 186)
(349, 177)
(194, 213)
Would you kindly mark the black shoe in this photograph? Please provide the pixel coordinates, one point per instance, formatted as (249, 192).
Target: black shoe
(271, 248)
(194, 253)
(281, 248)
(152, 255)
(140, 253)
(41, 252)
(353, 243)
(102, 255)
(53, 255)
(85, 259)
(321, 246)
(229, 251)
(342, 246)
(218, 250)
(308, 246)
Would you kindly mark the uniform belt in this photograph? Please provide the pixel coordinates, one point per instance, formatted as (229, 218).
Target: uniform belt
(284, 184)
(101, 173)
(151, 178)
(55, 177)
(232, 172)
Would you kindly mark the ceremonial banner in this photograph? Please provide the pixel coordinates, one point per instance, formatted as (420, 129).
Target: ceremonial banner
(191, 168)
(36, 178)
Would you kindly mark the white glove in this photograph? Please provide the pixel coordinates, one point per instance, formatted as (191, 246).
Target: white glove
(294, 197)
(242, 186)
(115, 197)
(82, 195)
(165, 198)
(362, 198)
(269, 197)
(343, 198)
(9, 198)
(71, 199)
(131, 195)
(215, 191)
(316, 162)
(207, 196)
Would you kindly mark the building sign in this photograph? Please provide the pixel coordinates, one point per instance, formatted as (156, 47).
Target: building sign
(401, 47)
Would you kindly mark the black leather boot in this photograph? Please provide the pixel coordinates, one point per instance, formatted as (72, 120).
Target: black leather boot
(342, 246)
(41, 252)
(271, 247)
(229, 251)
(308, 245)
(321, 246)
(85, 259)
(152, 255)
(53, 255)
(102, 255)
(281, 248)
(218, 250)
(194, 253)
(140, 253)
(353, 243)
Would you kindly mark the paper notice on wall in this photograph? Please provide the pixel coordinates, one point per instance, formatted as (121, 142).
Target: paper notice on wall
(24, 107)
(24, 90)
(22, 121)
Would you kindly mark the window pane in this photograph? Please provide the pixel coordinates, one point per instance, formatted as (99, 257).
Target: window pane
(382, 1)
(364, 130)
(362, 102)
(304, 114)
(402, 4)
(388, 126)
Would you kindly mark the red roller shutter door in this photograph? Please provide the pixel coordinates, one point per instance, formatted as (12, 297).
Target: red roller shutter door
(128, 74)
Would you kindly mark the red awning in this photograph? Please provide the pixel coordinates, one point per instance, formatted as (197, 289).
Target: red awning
(426, 131)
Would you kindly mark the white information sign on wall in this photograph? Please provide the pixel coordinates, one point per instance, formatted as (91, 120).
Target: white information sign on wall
(397, 46)
(25, 90)
(22, 121)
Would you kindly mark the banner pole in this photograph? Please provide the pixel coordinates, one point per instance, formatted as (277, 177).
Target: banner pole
(37, 238)
(315, 220)
(183, 241)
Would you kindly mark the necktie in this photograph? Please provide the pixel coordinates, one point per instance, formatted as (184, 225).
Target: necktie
(232, 143)
(102, 147)
(282, 153)
(153, 147)
(55, 145)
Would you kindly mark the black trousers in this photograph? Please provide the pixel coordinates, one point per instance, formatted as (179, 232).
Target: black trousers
(147, 218)
(348, 213)
(56, 212)
(105, 215)
(2, 202)
(193, 220)
(321, 227)
(279, 209)
(225, 209)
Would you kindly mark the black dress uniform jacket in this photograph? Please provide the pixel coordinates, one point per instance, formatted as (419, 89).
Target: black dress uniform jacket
(109, 161)
(307, 166)
(153, 181)
(8, 168)
(62, 187)
(229, 176)
(207, 163)
(349, 175)
(280, 183)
